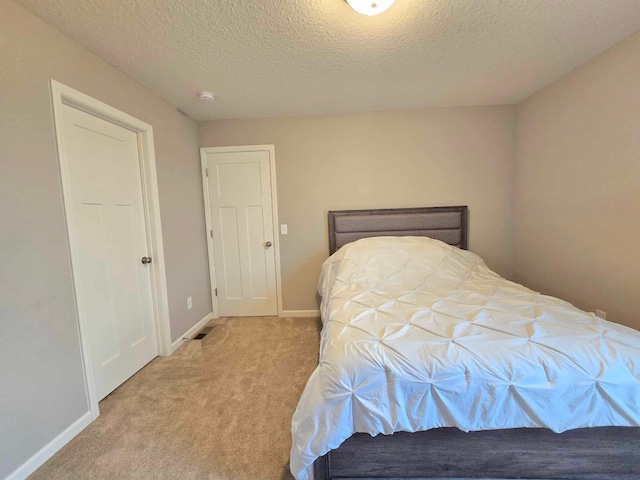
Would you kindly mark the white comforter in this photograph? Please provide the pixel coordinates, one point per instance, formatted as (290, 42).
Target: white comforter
(419, 335)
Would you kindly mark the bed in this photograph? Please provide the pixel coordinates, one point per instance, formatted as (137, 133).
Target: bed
(417, 377)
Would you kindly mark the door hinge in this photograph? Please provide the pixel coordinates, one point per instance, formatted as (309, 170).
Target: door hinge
(216, 292)
(211, 233)
(206, 172)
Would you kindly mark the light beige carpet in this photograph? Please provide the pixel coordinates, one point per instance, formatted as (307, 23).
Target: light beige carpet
(218, 408)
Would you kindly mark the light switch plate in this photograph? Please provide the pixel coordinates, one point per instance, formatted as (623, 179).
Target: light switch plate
(189, 303)
(284, 229)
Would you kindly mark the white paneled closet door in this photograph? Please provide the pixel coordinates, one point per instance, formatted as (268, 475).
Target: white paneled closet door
(109, 246)
(240, 201)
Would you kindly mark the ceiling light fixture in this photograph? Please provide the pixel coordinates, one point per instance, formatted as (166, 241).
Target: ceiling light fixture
(206, 97)
(370, 7)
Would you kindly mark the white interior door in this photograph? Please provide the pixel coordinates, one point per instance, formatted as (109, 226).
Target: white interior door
(240, 204)
(108, 238)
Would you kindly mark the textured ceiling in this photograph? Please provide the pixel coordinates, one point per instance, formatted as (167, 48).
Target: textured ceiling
(291, 57)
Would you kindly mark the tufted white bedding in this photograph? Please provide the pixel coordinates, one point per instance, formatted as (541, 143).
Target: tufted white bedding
(418, 335)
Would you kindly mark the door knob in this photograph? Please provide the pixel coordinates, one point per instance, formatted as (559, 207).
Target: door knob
(146, 260)
(268, 244)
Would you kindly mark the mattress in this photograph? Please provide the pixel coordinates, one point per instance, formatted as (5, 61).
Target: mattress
(419, 335)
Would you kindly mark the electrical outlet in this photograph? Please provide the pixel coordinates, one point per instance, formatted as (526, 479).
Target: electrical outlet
(189, 303)
(284, 229)
(602, 314)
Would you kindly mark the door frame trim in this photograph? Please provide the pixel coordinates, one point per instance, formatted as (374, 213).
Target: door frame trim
(64, 95)
(207, 214)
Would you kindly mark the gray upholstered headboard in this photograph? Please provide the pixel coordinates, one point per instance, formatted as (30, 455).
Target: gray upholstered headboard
(448, 224)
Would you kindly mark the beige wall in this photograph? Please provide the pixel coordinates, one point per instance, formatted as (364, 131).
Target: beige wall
(401, 159)
(577, 204)
(42, 387)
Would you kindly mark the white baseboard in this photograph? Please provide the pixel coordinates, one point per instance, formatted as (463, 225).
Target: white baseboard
(300, 313)
(190, 333)
(50, 449)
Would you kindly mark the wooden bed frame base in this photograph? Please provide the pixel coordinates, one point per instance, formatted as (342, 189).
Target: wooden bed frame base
(584, 454)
